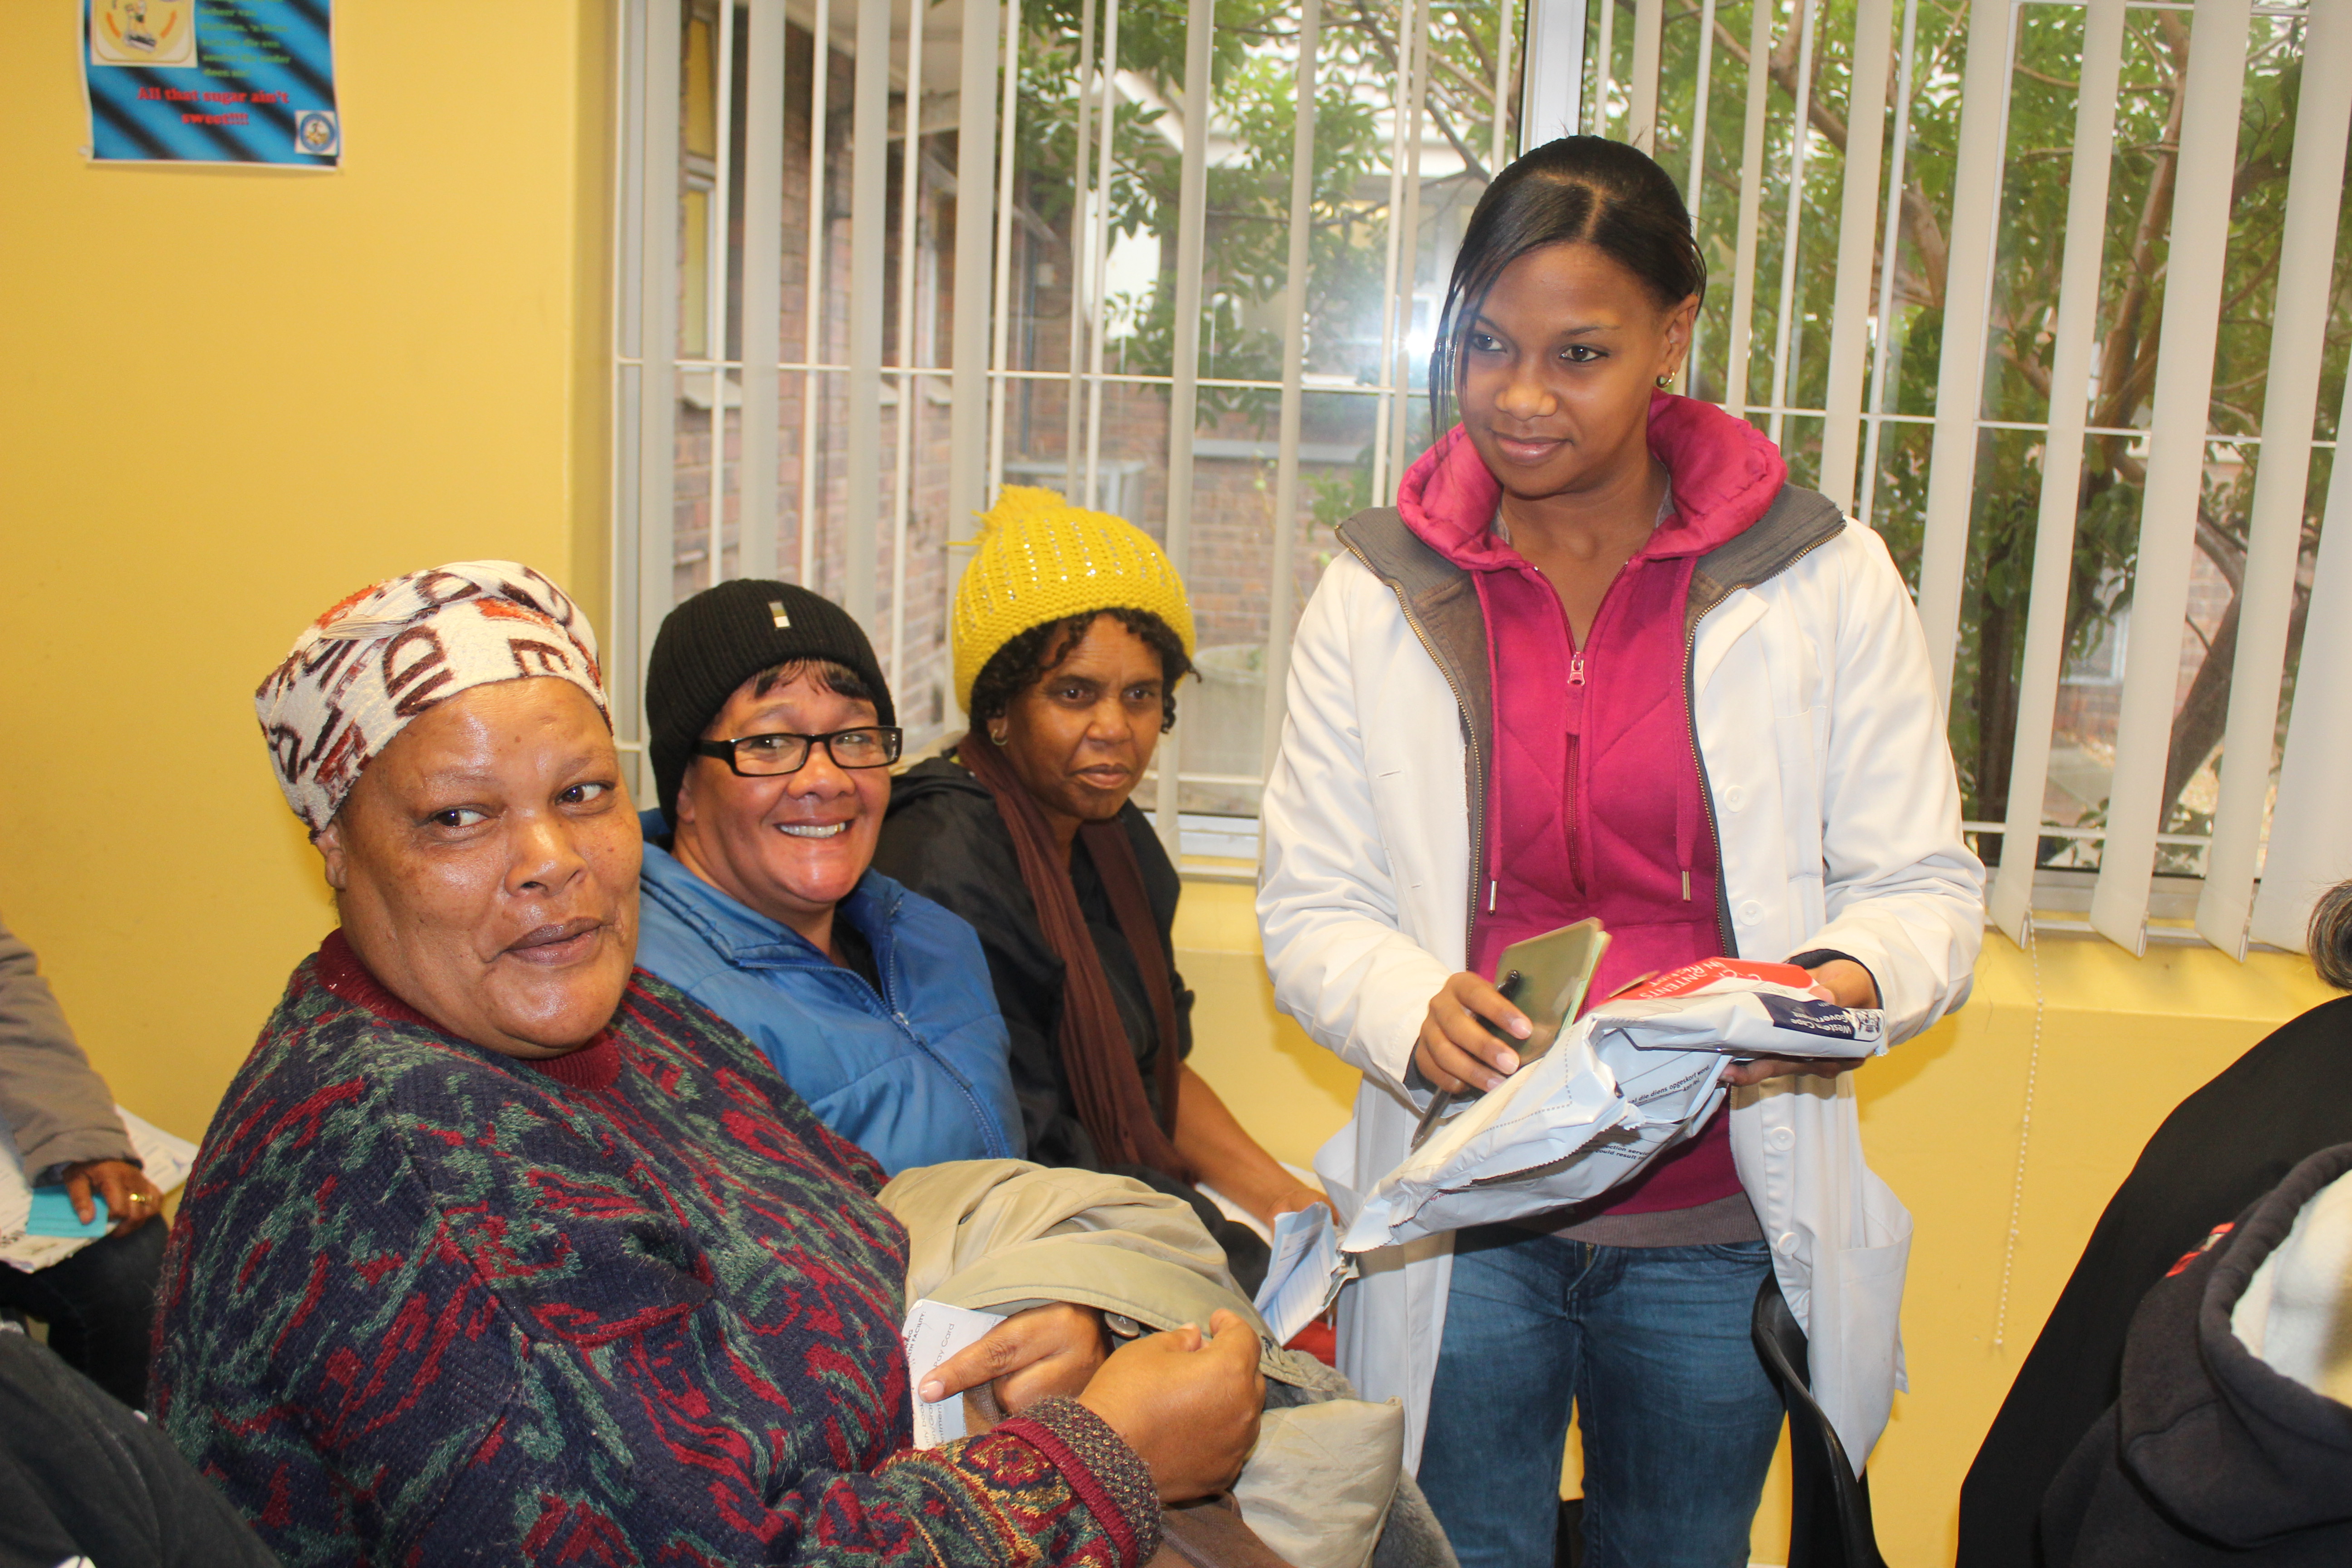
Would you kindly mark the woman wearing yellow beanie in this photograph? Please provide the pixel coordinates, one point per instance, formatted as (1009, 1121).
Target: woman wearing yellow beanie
(1071, 632)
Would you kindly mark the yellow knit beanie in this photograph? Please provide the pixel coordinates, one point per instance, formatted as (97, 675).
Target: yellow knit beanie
(1041, 559)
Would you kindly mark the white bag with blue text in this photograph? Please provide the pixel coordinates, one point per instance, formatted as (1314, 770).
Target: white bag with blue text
(1637, 1075)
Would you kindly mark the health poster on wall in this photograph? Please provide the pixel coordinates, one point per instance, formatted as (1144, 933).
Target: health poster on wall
(211, 82)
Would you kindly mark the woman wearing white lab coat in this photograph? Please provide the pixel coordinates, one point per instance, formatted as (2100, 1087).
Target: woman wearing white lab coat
(1833, 808)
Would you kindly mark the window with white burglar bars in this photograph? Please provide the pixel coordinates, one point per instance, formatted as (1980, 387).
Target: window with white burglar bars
(2001, 276)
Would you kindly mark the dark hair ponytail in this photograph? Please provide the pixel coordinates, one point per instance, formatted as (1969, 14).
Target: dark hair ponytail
(2330, 936)
(1578, 190)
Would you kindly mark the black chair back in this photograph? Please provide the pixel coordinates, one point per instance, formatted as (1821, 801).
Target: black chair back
(1830, 1517)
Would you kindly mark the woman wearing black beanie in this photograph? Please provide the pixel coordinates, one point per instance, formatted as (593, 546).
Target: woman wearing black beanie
(772, 733)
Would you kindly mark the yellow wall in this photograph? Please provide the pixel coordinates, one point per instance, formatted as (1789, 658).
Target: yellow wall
(232, 396)
(236, 395)
(2122, 1041)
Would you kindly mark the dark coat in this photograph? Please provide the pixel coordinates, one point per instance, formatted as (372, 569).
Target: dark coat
(2225, 1146)
(944, 839)
(82, 1478)
(2211, 1456)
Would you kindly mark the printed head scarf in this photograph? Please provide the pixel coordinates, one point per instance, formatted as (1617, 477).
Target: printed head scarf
(359, 673)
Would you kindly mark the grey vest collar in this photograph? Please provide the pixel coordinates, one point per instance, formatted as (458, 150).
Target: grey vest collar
(1440, 602)
(1440, 605)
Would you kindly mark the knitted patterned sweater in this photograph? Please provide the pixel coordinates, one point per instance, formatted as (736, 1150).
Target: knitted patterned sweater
(426, 1304)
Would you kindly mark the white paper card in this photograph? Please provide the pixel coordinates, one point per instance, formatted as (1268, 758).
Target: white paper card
(933, 1332)
(1305, 1272)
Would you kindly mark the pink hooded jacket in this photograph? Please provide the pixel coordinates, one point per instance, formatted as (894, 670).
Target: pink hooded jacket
(1595, 807)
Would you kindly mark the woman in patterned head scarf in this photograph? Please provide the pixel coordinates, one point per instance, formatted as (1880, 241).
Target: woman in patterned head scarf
(500, 1249)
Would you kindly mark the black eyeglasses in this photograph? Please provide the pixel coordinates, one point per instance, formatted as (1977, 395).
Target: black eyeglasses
(765, 756)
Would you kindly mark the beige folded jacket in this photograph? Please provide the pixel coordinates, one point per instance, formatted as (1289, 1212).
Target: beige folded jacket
(1001, 1234)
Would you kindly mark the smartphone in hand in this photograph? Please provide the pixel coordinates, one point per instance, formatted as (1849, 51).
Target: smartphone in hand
(1545, 977)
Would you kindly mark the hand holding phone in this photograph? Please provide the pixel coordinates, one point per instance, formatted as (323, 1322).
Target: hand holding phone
(1543, 979)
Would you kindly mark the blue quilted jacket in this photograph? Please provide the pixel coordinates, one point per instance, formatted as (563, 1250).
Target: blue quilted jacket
(914, 1075)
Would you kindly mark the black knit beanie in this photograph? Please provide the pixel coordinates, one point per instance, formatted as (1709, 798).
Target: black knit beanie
(723, 637)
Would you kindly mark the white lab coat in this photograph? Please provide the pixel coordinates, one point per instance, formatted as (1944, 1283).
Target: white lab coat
(1838, 814)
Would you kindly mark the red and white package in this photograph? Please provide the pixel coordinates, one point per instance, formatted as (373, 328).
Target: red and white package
(1736, 1007)
(1709, 974)
(1634, 1077)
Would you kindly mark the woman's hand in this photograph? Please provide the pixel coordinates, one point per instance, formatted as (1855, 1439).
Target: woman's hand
(1842, 981)
(1224, 1156)
(1186, 1404)
(1032, 1355)
(1299, 1196)
(1455, 1052)
(132, 1199)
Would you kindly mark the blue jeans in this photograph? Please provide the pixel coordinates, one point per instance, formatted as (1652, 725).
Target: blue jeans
(1650, 1345)
(100, 1305)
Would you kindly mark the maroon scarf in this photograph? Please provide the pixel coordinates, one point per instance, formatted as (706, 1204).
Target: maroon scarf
(1096, 1052)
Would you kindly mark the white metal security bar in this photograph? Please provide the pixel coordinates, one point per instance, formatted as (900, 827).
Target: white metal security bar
(830, 530)
(1294, 367)
(1200, 27)
(1812, 219)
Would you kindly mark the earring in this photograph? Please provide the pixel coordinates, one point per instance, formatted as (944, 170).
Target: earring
(996, 737)
(1667, 379)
